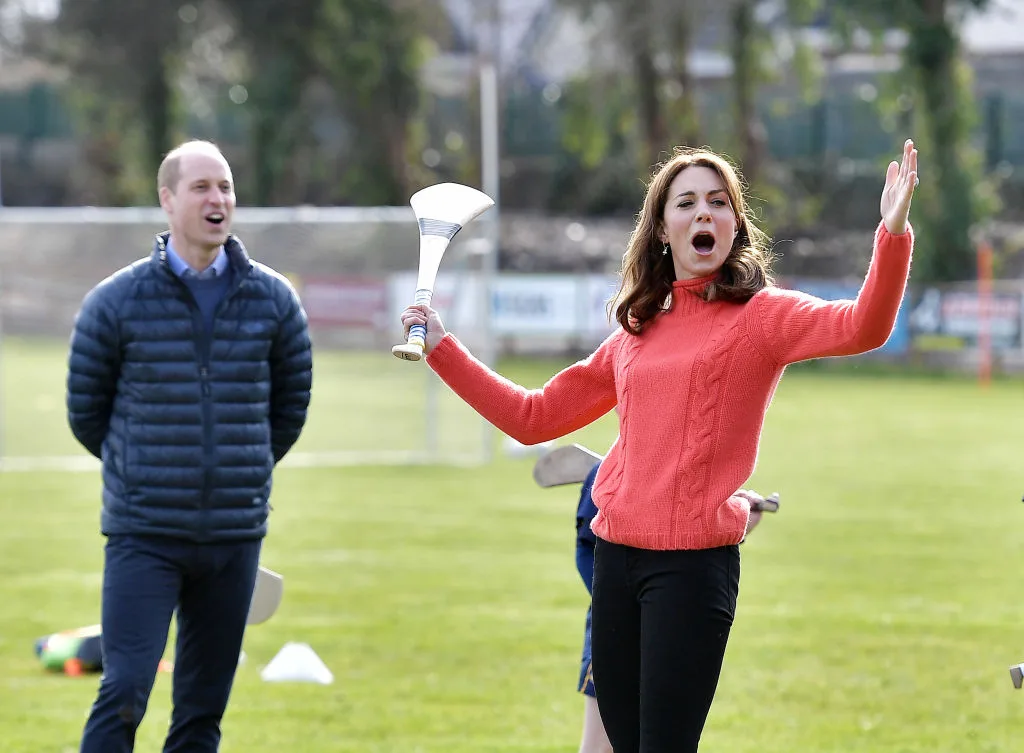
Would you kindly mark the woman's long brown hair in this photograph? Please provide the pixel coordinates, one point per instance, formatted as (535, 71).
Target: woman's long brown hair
(648, 274)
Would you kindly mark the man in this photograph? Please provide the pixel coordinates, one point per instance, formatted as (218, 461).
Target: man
(189, 376)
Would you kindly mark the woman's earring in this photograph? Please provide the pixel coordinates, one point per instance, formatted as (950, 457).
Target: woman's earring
(664, 251)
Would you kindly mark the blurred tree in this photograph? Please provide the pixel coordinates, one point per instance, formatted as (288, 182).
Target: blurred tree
(951, 200)
(9, 42)
(661, 40)
(754, 51)
(332, 92)
(370, 53)
(754, 61)
(123, 54)
(748, 49)
(275, 38)
(329, 88)
(598, 168)
(656, 37)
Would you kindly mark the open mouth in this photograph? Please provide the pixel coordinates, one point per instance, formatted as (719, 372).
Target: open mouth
(215, 218)
(703, 243)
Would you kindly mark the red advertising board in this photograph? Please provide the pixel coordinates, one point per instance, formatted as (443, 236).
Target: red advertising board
(353, 302)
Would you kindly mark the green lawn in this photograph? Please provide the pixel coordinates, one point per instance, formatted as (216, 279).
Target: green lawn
(363, 403)
(879, 610)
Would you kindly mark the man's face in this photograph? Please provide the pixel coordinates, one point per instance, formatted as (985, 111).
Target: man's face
(199, 209)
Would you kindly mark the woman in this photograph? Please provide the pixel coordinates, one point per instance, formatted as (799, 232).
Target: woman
(704, 339)
(594, 737)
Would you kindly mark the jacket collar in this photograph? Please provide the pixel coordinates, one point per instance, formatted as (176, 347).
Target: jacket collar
(238, 257)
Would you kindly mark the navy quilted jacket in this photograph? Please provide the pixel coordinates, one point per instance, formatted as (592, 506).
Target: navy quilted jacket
(189, 425)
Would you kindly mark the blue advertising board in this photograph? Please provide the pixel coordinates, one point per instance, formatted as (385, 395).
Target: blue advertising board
(835, 290)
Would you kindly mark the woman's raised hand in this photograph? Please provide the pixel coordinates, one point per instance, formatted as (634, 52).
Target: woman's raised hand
(900, 182)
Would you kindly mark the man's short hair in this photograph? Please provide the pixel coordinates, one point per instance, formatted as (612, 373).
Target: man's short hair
(170, 168)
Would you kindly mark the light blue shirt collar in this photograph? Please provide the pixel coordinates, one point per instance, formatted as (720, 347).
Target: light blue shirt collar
(179, 266)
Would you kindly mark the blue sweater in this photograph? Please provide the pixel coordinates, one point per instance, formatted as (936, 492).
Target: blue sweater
(209, 293)
(210, 288)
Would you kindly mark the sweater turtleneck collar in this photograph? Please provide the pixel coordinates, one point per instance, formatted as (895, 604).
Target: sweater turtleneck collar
(686, 294)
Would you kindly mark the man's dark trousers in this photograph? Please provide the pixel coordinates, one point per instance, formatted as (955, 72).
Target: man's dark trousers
(144, 579)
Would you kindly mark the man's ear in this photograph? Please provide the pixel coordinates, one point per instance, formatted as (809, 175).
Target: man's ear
(165, 198)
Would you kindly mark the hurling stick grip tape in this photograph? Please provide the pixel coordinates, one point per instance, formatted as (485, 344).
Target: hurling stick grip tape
(439, 227)
(412, 350)
(418, 332)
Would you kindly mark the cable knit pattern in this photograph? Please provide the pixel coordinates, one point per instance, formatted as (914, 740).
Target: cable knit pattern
(695, 464)
(692, 391)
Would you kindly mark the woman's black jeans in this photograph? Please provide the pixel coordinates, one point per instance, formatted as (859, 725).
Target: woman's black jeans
(661, 622)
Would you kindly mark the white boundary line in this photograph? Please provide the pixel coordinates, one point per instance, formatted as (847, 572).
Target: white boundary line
(243, 215)
(85, 463)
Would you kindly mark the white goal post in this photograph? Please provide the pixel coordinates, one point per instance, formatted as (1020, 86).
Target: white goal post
(354, 269)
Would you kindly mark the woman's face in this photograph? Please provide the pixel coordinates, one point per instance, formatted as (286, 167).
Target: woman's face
(698, 222)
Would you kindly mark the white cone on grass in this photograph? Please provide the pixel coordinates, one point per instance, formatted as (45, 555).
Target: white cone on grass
(297, 662)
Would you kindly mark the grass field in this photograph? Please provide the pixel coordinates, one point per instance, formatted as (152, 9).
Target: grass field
(879, 610)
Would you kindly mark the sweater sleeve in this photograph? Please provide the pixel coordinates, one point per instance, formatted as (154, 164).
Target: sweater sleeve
(791, 326)
(576, 396)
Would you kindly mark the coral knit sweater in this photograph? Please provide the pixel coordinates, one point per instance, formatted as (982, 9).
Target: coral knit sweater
(692, 391)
